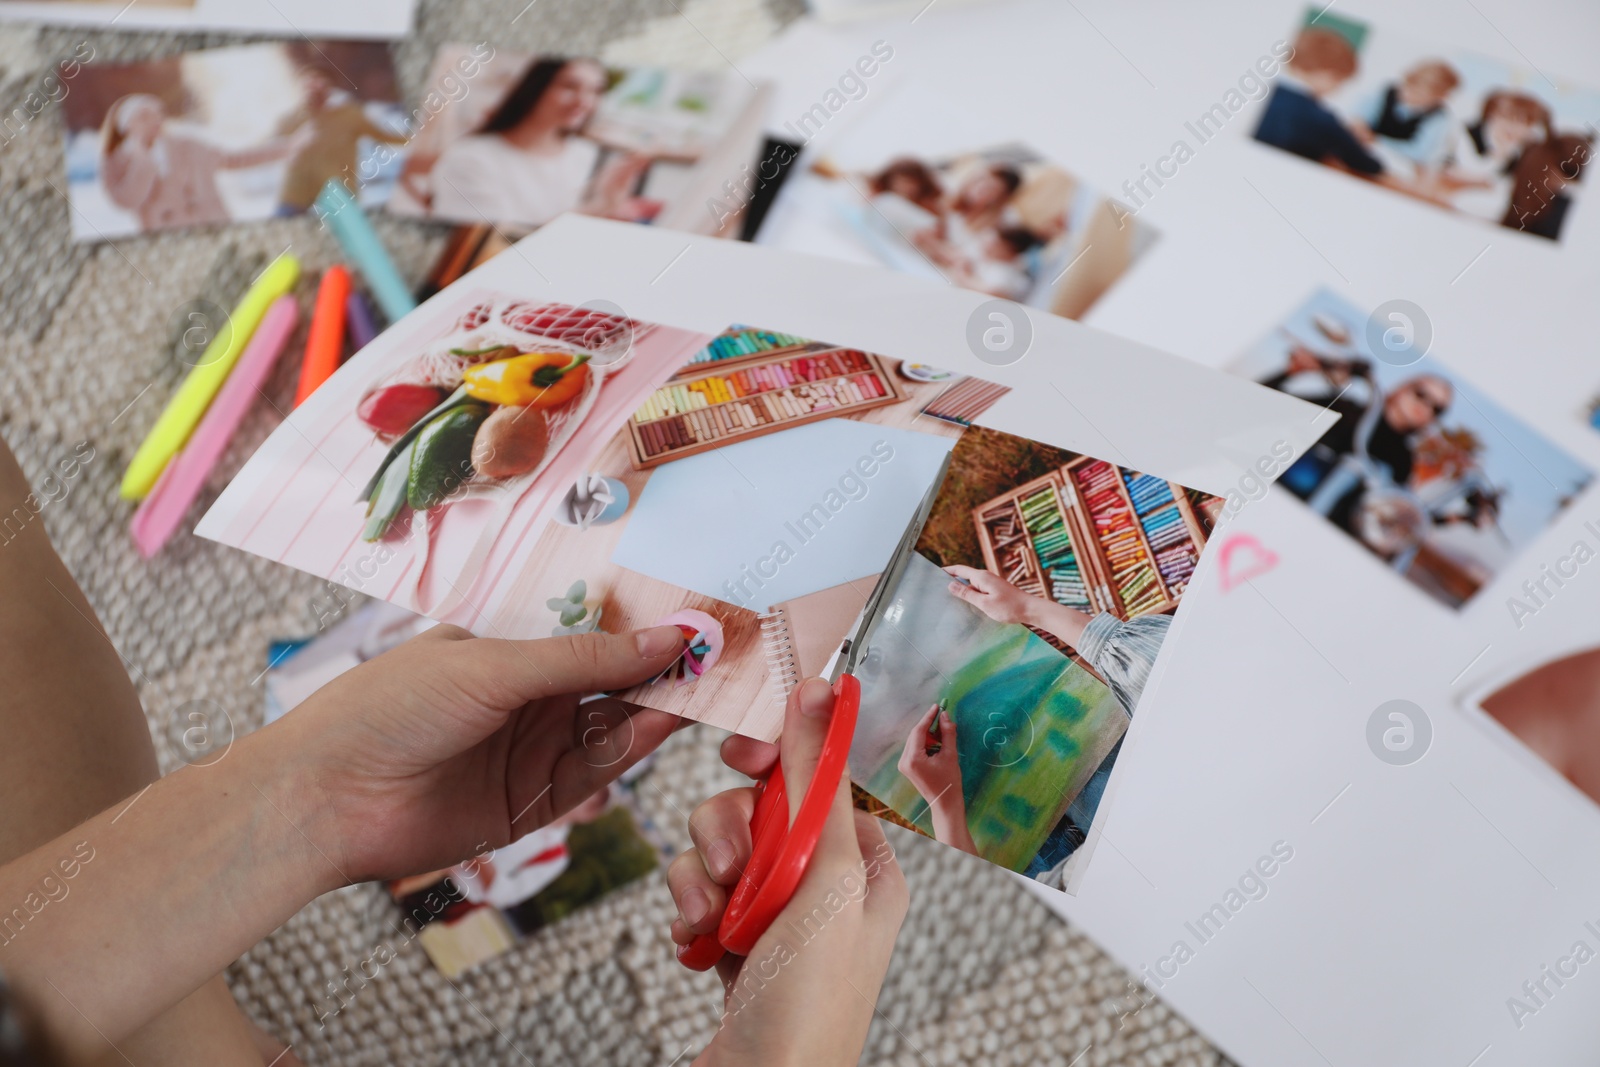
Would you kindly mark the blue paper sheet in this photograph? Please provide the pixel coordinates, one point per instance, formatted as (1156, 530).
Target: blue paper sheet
(776, 517)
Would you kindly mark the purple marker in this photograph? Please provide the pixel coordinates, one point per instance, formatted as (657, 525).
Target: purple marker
(358, 322)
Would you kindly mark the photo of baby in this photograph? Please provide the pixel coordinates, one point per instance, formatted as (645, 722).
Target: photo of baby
(1460, 131)
(1002, 221)
(1427, 473)
(536, 135)
(229, 134)
(1015, 647)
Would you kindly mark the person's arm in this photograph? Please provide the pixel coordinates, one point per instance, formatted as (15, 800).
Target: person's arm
(805, 995)
(934, 768)
(611, 192)
(266, 152)
(1004, 602)
(381, 134)
(411, 762)
(1342, 145)
(129, 175)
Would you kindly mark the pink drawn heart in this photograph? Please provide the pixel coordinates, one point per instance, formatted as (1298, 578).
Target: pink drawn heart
(1243, 558)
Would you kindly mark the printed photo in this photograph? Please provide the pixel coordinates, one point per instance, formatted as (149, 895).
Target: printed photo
(1457, 130)
(1011, 655)
(532, 136)
(229, 134)
(536, 470)
(1554, 709)
(1002, 221)
(478, 909)
(1427, 472)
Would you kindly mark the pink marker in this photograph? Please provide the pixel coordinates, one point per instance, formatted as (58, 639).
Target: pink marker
(163, 509)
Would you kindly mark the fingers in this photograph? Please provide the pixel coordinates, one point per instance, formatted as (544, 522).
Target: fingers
(522, 671)
(917, 739)
(609, 736)
(981, 580)
(962, 571)
(720, 830)
(805, 726)
(751, 758)
(699, 899)
(699, 878)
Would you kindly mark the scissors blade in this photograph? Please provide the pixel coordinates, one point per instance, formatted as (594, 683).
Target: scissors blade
(889, 580)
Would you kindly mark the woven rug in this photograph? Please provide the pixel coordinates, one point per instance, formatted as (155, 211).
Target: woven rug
(982, 973)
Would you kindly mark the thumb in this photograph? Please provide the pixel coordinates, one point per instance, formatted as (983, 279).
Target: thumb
(805, 729)
(597, 662)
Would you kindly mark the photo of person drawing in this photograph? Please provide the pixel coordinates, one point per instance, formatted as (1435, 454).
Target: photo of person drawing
(1028, 630)
(1461, 131)
(1428, 474)
(1002, 221)
(537, 135)
(1120, 652)
(227, 134)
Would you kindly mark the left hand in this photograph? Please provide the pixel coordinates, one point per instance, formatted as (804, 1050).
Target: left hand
(451, 743)
(992, 594)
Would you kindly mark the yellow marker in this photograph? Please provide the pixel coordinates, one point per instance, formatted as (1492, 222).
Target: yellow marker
(188, 405)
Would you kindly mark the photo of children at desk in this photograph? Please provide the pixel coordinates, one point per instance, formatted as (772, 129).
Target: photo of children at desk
(1458, 130)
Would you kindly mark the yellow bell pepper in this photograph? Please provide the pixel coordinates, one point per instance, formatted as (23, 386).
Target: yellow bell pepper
(539, 380)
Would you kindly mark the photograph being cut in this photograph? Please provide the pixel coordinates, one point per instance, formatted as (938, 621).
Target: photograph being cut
(1012, 651)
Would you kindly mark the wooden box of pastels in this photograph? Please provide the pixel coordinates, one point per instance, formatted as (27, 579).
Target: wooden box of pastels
(1096, 537)
(752, 382)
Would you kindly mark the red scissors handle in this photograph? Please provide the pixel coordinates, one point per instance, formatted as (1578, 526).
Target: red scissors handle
(781, 851)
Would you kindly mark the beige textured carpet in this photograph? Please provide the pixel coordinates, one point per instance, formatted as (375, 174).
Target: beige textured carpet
(982, 973)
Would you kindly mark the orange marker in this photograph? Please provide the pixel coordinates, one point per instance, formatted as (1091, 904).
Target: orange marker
(326, 338)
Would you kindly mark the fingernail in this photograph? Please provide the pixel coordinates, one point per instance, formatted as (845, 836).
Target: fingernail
(694, 906)
(719, 857)
(658, 641)
(816, 699)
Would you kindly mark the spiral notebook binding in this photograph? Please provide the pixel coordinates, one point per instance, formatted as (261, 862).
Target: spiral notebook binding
(777, 646)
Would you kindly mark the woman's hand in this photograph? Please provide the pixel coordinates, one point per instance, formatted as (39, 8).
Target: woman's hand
(806, 992)
(992, 595)
(934, 767)
(929, 763)
(452, 743)
(614, 185)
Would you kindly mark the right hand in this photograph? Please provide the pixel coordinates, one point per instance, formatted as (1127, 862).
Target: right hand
(938, 775)
(806, 992)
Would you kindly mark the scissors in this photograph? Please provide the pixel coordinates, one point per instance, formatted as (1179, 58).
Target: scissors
(781, 851)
